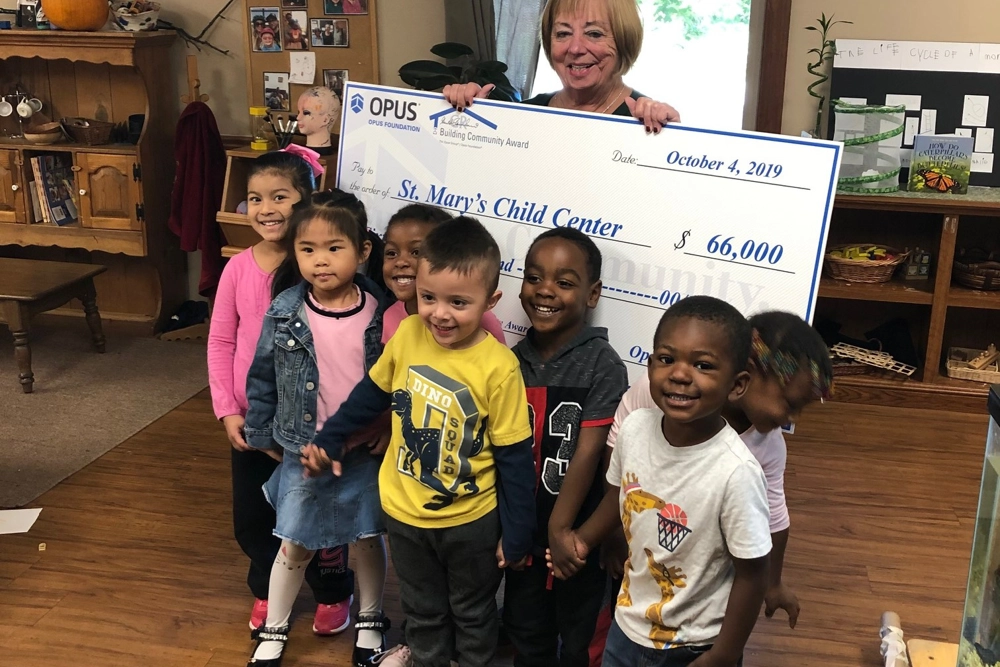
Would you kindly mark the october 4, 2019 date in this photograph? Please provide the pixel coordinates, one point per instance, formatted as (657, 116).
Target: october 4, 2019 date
(734, 168)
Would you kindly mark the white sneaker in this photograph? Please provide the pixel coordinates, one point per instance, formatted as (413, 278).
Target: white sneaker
(398, 656)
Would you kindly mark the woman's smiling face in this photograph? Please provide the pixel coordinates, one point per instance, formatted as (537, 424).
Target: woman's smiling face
(582, 46)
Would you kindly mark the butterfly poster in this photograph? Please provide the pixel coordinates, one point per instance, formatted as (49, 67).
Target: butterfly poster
(941, 163)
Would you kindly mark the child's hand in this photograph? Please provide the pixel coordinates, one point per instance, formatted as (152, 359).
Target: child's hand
(782, 597)
(579, 548)
(276, 454)
(234, 431)
(316, 462)
(378, 446)
(502, 561)
(566, 553)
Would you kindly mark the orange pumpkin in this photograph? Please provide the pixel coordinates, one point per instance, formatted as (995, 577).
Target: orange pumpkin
(86, 15)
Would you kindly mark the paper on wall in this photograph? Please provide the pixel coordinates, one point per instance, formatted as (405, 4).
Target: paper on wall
(963, 132)
(940, 56)
(928, 121)
(975, 109)
(912, 128)
(867, 54)
(18, 521)
(989, 58)
(982, 163)
(984, 140)
(302, 67)
(912, 102)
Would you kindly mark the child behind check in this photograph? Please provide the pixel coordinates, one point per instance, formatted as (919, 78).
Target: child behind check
(404, 234)
(574, 379)
(457, 482)
(692, 501)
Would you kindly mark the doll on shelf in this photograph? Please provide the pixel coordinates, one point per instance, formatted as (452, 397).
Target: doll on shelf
(318, 110)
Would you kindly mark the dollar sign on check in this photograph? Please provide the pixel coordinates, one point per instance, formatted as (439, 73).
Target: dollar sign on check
(684, 236)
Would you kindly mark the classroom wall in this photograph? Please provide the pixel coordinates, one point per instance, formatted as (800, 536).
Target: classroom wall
(965, 21)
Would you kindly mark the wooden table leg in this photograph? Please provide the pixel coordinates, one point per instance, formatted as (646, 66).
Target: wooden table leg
(89, 299)
(16, 316)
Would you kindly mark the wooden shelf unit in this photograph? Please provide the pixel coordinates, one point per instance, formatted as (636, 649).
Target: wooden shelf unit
(929, 386)
(124, 189)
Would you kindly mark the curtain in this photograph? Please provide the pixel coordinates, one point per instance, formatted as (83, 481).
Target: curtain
(472, 22)
(517, 40)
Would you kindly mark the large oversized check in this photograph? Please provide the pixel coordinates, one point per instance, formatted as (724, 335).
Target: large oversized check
(738, 215)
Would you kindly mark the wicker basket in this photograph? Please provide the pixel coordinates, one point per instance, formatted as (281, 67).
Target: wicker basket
(864, 271)
(957, 366)
(88, 131)
(976, 269)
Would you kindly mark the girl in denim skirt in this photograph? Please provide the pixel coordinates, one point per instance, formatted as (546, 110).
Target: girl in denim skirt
(320, 336)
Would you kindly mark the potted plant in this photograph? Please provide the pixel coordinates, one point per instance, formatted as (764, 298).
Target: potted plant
(433, 75)
(824, 54)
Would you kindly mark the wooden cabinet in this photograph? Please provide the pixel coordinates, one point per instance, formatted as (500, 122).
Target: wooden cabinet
(11, 201)
(938, 313)
(109, 192)
(122, 190)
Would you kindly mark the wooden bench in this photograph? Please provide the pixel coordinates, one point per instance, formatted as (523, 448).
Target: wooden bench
(29, 287)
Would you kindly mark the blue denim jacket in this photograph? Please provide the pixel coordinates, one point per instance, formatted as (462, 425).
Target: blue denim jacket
(283, 382)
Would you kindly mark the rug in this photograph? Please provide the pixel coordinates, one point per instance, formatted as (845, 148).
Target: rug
(84, 403)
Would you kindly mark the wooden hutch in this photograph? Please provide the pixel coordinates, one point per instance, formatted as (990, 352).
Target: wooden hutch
(124, 189)
(940, 314)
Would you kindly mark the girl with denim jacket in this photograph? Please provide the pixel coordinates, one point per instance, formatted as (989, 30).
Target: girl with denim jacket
(320, 336)
(276, 181)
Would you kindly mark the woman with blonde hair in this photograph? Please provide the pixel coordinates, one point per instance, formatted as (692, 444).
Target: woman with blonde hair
(591, 45)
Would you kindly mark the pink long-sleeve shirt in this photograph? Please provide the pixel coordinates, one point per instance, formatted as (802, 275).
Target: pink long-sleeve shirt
(241, 302)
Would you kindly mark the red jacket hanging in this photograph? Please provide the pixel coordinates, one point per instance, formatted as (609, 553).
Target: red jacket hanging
(197, 192)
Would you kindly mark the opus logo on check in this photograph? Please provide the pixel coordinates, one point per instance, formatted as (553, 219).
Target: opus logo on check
(357, 103)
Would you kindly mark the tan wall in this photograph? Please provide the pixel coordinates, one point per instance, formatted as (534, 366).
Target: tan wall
(407, 29)
(966, 21)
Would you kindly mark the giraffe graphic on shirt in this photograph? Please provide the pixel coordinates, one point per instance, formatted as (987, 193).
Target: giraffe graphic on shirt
(667, 579)
(636, 501)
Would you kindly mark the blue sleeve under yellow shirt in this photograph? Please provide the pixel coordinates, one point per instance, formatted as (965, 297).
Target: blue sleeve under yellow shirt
(450, 409)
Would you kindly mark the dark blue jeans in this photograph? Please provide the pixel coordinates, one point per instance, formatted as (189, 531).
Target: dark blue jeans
(620, 651)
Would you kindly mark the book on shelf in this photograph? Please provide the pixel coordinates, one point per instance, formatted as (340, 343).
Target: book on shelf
(941, 163)
(36, 208)
(54, 176)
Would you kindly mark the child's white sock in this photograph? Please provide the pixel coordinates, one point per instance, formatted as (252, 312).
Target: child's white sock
(287, 573)
(370, 562)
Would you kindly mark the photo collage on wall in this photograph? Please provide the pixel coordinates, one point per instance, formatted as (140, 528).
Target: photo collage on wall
(289, 27)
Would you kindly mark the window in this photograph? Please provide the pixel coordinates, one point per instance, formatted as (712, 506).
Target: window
(694, 57)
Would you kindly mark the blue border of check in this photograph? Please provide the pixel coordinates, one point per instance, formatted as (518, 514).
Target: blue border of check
(831, 189)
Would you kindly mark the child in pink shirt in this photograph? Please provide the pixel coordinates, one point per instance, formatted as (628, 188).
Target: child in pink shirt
(277, 181)
(403, 235)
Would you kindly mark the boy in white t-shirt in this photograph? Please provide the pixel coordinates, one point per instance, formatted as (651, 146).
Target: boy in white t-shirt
(692, 501)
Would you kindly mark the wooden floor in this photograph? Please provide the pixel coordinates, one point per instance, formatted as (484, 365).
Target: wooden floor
(140, 567)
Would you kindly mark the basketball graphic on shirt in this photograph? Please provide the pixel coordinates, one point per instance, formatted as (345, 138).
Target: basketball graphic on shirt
(672, 526)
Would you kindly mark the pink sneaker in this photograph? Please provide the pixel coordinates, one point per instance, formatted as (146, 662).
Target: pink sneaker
(398, 656)
(258, 615)
(332, 619)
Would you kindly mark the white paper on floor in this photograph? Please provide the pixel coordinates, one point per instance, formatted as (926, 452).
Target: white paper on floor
(18, 521)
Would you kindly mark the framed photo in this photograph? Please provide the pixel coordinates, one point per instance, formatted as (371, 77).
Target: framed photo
(334, 79)
(265, 29)
(294, 4)
(329, 32)
(276, 94)
(294, 37)
(337, 7)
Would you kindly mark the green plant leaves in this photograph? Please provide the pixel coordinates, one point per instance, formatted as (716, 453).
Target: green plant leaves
(427, 74)
(449, 50)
